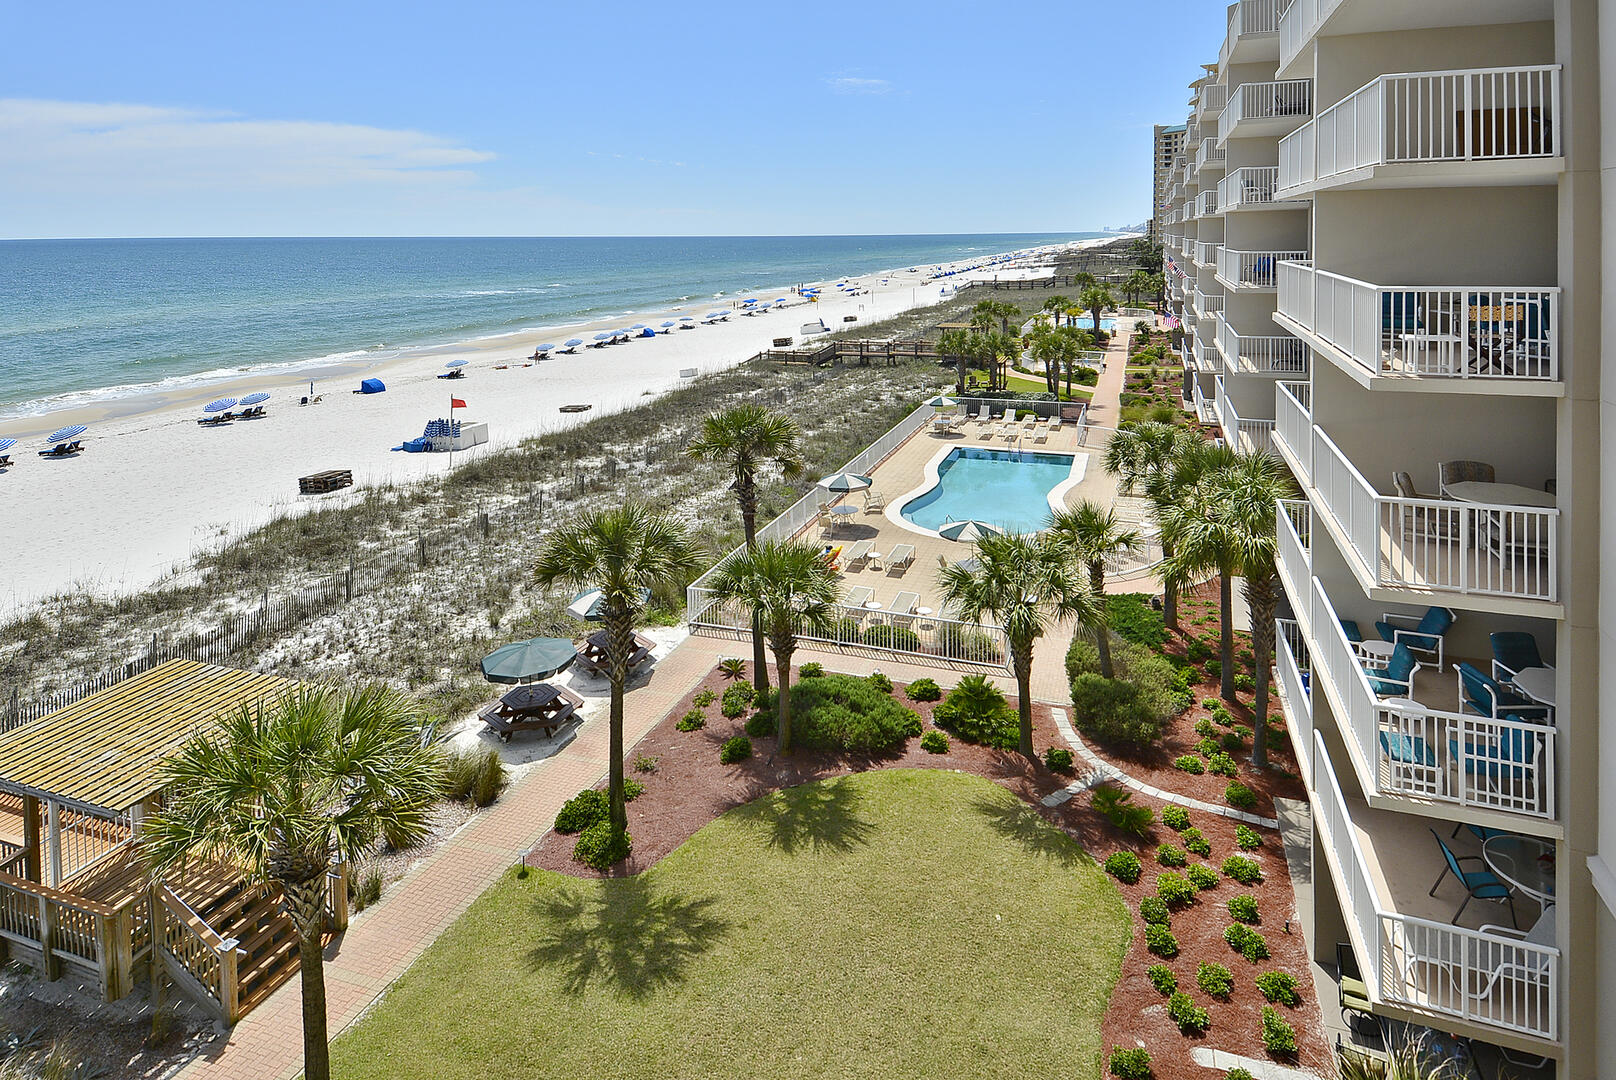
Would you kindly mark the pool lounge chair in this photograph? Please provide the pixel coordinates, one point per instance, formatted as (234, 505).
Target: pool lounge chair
(859, 552)
(983, 415)
(1041, 432)
(904, 603)
(987, 432)
(857, 596)
(902, 556)
(874, 502)
(1054, 423)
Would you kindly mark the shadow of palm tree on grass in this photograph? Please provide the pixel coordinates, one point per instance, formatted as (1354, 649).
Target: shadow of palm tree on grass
(626, 933)
(1021, 823)
(814, 817)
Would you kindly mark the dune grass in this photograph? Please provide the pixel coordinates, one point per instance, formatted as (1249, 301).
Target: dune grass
(891, 923)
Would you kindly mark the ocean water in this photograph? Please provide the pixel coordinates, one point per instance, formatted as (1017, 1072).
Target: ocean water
(1007, 488)
(81, 319)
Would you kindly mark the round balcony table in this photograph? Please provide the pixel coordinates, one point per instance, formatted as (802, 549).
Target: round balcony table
(1536, 683)
(874, 558)
(1477, 491)
(1376, 650)
(1519, 861)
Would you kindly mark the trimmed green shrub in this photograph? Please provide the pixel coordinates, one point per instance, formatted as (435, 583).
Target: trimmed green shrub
(934, 742)
(1174, 888)
(632, 789)
(1169, 855)
(1247, 838)
(1116, 806)
(924, 690)
(1244, 683)
(1110, 711)
(1222, 716)
(1133, 619)
(1237, 1073)
(1221, 764)
(1203, 877)
(1211, 704)
(1279, 988)
(1207, 747)
(1058, 759)
(1243, 908)
(1214, 670)
(1153, 909)
(646, 763)
(1247, 942)
(1130, 1063)
(879, 680)
(694, 720)
(1205, 728)
(1190, 1017)
(1239, 796)
(1197, 650)
(845, 712)
(811, 670)
(1189, 763)
(1196, 843)
(1162, 978)
(737, 749)
(1244, 870)
(595, 848)
(704, 697)
(738, 697)
(1215, 980)
(581, 811)
(1231, 741)
(978, 712)
(1124, 866)
(1277, 1035)
(762, 724)
(1175, 817)
(1160, 941)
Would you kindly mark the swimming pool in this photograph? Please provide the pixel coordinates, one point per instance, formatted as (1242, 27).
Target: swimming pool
(1007, 488)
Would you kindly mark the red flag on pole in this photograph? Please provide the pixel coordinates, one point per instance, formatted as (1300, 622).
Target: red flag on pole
(456, 403)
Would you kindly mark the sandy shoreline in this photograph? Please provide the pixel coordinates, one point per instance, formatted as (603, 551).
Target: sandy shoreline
(153, 487)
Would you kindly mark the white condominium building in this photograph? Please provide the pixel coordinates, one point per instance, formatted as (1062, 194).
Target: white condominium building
(1386, 245)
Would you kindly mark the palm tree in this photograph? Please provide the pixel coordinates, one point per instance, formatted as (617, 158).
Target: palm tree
(1137, 284)
(999, 351)
(1077, 340)
(1084, 280)
(1246, 495)
(1095, 299)
(1092, 534)
(1202, 544)
(956, 344)
(746, 436)
(1048, 347)
(789, 587)
(1142, 457)
(1025, 584)
(283, 788)
(622, 551)
(1056, 307)
(1001, 310)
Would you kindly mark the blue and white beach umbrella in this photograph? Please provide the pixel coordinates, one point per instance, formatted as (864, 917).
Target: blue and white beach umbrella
(670, 323)
(546, 347)
(223, 404)
(254, 399)
(7, 444)
(573, 343)
(603, 337)
(61, 435)
(456, 362)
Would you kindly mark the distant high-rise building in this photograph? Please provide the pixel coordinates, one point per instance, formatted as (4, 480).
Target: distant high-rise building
(1169, 145)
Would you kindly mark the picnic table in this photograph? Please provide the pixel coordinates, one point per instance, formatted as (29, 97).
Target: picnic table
(592, 657)
(531, 707)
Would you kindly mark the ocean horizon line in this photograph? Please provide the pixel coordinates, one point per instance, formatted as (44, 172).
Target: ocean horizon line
(557, 236)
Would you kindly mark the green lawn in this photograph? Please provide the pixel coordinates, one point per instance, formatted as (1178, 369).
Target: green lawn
(889, 924)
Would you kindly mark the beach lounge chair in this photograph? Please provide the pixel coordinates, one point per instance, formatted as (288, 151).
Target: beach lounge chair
(988, 430)
(904, 603)
(901, 557)
(983, 415)
(857, 596)
(1041, 432)
(859, 552)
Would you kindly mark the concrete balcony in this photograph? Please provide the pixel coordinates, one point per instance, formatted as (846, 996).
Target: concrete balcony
(1210, 158)
(1469, 126)
(1253, 33)
(1252, 271)
(1297, 26)
(1205, 357)
(1205, 409)
(1266, 108)
(1193, 134)
(1260, 354)
(1246, 436)
(1411, 955)
(1253, 188)
(1206, 203)
(1210, 101)
(1500, 338)
(1205, 253)
(1206, 305)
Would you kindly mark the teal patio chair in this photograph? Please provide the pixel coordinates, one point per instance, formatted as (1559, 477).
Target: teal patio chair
(1478, 884)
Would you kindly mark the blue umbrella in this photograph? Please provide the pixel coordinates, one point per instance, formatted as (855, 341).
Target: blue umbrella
(638, 326)
(573, 343)
(64, 434)
(254, 399)
(545, 347)
(521, 661)
(670, 322)
(221, 405)
(456, 362)
(7, 444)
(603, 337)
(724, 312)
(779, 300)
(750, 300)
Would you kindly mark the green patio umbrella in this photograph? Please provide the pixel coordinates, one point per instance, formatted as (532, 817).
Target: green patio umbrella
(942, 401)
(968, 531)
(846, 482)
(527, 661)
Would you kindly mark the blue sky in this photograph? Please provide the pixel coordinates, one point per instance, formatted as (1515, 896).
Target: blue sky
(547, 118)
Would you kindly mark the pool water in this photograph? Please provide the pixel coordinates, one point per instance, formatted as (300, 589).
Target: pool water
(1006, 488)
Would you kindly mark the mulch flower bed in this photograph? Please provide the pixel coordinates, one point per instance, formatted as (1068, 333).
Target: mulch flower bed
(690, 787)
(1138, 1012)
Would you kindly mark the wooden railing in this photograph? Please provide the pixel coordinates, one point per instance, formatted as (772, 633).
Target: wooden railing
(196, 956)
(54, 929)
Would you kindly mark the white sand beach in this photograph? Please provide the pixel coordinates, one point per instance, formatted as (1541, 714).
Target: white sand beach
(152, 486)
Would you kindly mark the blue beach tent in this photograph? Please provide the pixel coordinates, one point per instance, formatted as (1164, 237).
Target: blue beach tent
(371, 386)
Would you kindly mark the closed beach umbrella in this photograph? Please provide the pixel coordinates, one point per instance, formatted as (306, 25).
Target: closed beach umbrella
(221, 405)
(846, 482)
(968, 531)
(942, 401)
(524, 661)
(254, 399)
(456, 362)
(588, 605)
(64, 434)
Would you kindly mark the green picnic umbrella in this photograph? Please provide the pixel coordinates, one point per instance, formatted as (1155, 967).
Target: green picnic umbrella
(968, 531)
(942, 401)
(525, 661)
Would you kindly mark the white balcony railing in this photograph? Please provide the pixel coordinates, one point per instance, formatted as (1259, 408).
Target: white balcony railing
(1205, 410)
(1485, 549)
(1248, 18)
(1206, 203)
(1476, 114)
(1299, 23)
(1294, 532)
(1210, 101)
(1206, 253)
(1207, 305)
(1206, 357)
(1210, 156)
(1292, 663)
(1253, 270)
(1270, 354)
(1252, 187)
(1293, 425)
(1449, 331)
(1288, 99)
(1426, 965)
(1246, 436)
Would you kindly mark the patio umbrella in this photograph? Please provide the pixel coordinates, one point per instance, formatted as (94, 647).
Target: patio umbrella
(64, 434)
(968, 531)
(218, 406)
(254, 399)
(604, 337)
(545, 347)
(942, 401)
(456, 362)
(668, 324)
(573, 343)
(846, 482)
(587, 605)
(525, 661)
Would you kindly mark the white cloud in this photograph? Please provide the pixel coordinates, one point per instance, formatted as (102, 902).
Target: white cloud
(848, 84)
(87, 147)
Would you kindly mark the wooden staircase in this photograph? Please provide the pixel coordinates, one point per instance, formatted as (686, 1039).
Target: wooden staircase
(266, 943)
